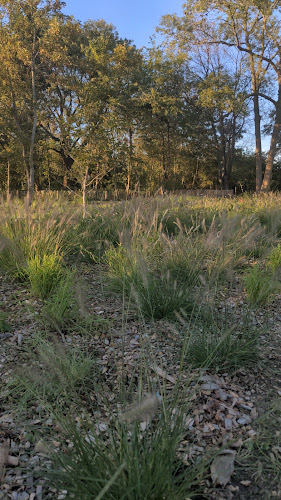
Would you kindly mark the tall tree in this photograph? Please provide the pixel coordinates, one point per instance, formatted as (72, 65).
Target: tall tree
(251, 28)
(24, 25)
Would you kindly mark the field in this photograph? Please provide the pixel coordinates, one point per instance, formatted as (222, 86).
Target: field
(140, 349)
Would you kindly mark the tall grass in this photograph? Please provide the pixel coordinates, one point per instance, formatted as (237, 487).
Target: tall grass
(172, 258)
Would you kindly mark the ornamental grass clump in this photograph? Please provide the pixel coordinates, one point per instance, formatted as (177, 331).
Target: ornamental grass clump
(142, 456)
(222, 347)
(261, 285)
(33, 241)
(154, 292)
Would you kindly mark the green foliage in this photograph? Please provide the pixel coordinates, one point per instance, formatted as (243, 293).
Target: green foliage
(260, 285)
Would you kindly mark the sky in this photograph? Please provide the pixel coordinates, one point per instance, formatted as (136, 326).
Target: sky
(133, 19)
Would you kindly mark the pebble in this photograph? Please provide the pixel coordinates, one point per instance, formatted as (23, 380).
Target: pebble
(222, 395)
(245, 419)
(39, 492)
(102, 427)
(228, 424)
(29, 482)
(23, 495)
(209, 387)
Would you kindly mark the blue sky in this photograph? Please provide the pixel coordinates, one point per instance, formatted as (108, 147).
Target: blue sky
(133, 19)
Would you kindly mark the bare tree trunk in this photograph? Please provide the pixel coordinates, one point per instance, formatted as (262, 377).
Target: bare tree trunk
(168, 146)
(130, 160)
(65, 180)
(24, 160)
(34, 126)
(275, 138)
(231, 153)
(258, 143)
(84, 192)
(8, 182)
(223, 153)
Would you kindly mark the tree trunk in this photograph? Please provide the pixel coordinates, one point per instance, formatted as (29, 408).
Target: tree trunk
(130, 160)
(84, 192)
(164, 163)
(24, 160)
(8, 182)
(30, 193)
(258, 143)
(223, 153)
(65, 180)
(231, 153)
(168, 146)
(275, 138)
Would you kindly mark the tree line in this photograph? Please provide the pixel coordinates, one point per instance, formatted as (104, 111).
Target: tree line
(82, 107)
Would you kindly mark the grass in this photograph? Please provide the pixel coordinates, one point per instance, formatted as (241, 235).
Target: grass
(45, 274)
(260, 459)
(261, 285)
(156, 294)
(58, 374)
(175, 258)
(4, 325)
(147, 460)
(217, 344)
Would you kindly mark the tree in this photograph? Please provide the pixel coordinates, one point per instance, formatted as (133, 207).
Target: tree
(221, 91)
(251, 28)
(24, 27)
